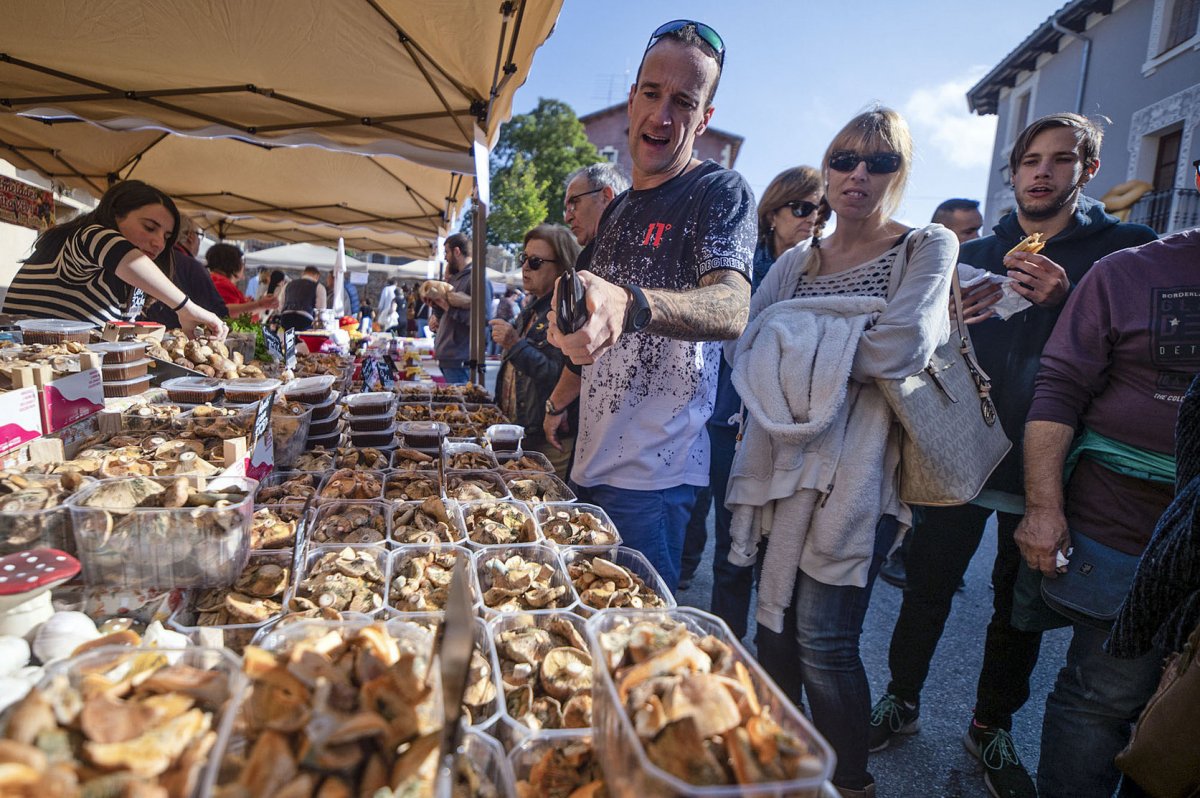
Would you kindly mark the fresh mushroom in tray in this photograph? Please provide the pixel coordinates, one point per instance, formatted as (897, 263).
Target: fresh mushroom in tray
(546, 671)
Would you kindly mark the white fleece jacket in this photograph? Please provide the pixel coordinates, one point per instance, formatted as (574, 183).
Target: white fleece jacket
(819, 458)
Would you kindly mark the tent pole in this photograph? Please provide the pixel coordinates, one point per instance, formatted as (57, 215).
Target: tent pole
(479, 308)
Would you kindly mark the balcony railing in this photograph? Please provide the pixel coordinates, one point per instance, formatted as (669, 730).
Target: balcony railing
(1168, 211)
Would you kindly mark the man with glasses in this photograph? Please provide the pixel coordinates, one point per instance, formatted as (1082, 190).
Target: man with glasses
(1050, 163)
(668, 277)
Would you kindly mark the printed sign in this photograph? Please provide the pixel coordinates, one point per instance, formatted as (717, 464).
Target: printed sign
(274, 345)
(289, 347)
(25, 205)
(262, 420)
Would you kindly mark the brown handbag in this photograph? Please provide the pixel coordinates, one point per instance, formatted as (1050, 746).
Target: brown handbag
(1162, 755)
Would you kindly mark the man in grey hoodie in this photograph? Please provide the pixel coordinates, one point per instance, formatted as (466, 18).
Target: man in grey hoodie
(1051, 161)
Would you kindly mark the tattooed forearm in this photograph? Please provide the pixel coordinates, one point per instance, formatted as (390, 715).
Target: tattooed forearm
(715, 311)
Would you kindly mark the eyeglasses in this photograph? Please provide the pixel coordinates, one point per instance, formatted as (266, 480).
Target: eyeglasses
(710, 36)
(573, 200)
(533, 261)
(800, 208)
(879, 163)
(1196, 164)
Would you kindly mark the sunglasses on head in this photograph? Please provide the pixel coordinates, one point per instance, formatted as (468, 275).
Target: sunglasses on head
(533, 261)
(800, 208)
(879, 163)
(710, 36)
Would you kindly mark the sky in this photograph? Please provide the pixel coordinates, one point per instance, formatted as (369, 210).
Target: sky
(796, 71)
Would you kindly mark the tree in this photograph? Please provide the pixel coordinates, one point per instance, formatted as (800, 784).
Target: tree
(552, 138)
(517, 204)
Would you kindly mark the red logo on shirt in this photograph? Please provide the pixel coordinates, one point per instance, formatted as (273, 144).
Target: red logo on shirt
(654, 234)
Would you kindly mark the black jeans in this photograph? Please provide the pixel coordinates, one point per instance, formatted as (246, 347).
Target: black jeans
(943, 544)
(696, 536)
(732, 584)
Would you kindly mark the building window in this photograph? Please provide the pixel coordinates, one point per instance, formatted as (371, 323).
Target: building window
(1185, 15)
(1167, 161)
(609, 154)
(1020, 105)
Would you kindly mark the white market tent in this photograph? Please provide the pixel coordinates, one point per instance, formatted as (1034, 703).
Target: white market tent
(301, 255)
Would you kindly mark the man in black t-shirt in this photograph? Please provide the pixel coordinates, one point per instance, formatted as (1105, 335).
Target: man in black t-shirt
(668, 277)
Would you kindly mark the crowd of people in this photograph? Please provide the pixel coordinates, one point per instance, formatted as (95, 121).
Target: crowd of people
(731, 357)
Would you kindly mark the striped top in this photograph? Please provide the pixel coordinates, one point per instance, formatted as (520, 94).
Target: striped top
(81, 283)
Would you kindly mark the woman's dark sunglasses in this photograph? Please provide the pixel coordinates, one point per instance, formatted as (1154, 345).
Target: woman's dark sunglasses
(879, 163)
(710, 36)
(533, 261)
(800, 208)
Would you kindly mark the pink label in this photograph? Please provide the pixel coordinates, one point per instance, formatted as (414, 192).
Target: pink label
(22, 418)
(69, 399)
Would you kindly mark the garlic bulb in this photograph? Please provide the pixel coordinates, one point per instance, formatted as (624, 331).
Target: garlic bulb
(62, 634)
(159, 636)
(14, 654)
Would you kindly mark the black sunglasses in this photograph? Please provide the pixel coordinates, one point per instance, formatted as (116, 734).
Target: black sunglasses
(1196, 164)
(879, 163)
(533, 261)
(800, 208)
(710, 36)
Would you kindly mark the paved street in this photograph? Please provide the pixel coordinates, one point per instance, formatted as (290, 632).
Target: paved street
(934, 763)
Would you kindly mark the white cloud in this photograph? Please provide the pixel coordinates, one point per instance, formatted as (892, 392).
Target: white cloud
(943, 127)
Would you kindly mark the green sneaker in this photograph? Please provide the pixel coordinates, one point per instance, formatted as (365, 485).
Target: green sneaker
(891, 716)
(1003, 773)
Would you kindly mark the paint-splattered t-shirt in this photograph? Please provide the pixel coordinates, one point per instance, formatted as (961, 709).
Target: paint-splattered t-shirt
(644, 403)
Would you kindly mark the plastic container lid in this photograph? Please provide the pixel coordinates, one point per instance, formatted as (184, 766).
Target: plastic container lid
(308, 385)
(359, 402)
(129, 364)
(206, 386)
(127, 383)
(426, 428)
(252, 385)
(505, 432)
(60, 326)
(118, 348)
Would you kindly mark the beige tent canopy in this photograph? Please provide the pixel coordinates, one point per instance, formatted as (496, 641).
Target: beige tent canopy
(357, 238)
(308, 185)
(396, 77)
(301, 255)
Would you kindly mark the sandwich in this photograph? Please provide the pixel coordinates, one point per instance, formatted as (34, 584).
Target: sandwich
(1032, 244)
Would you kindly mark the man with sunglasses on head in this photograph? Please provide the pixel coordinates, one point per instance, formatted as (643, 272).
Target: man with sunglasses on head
(668, 277)
(1050, 163)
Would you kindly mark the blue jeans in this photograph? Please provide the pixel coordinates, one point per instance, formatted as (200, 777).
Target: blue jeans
(731, 583)
(1095, 701)
(696, 536)
(817, 656)
(454, 372)
(651, 521)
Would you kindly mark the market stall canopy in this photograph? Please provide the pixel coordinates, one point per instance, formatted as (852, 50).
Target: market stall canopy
(411, 79)
(300, 255)
(358, 239)
(305, 185)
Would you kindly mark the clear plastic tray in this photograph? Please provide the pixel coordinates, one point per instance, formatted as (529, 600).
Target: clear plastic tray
(290, 435)
(325, 495)
(192, 390)
(279, 477)
(512, 731)
(325, 427)
(539, 461)
(423, 434)
(530, 552)
(324, 529)
(128, 370)
(160, 547)
(55, 331)
(401, 460)
(531, 751)
(451, 452)
(479, 707)
(309, 390)
(548, 513)
(490, 480)
(630, 559)
(400, 483)
(245, 390)
(399, 528)
(154, 417)
(313, 554)
(329, 407)
(532, 534)
(46, 527)
(234, 636)
(330, 441)
(544, 484)
(401, 556)
(370, 403)
(505, 437)
(122, 388)
(375, 439)
(371, 423)
(293, 515)
(120, 351)
(627, 767)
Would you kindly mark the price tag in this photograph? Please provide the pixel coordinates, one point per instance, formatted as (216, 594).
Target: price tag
(274, 345)
(262, 420)
(289, 347)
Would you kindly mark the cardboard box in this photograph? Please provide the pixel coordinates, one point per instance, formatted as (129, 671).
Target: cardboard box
(20, 417)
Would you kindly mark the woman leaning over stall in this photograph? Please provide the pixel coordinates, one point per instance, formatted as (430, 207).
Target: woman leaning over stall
(87, 269)
(818, 465)
(531, 365)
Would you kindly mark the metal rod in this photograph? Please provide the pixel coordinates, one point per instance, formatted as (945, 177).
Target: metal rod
(478, 290)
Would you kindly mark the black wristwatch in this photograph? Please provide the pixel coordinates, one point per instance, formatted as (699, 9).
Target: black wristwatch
(551, 410)
(637, 317)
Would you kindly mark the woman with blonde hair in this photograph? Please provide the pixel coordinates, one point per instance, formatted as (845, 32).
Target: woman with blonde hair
(814, 481)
